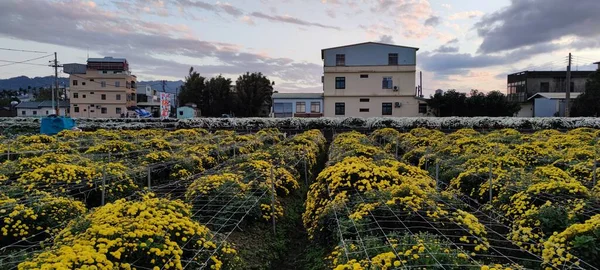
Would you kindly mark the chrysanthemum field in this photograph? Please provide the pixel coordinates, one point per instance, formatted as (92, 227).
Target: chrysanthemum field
(386, 199)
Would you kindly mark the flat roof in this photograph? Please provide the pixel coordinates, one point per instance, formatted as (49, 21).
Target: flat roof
(297, 95)
(107, 60)
(365, 43)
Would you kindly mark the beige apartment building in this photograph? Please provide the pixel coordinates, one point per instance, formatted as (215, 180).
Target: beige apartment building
(104, 88)
(371, 80)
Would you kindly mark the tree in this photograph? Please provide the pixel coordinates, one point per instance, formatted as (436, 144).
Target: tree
(453, 103)
(43, 94)
(588, 103)
(253, 91)
(192, 88)
(217, 97)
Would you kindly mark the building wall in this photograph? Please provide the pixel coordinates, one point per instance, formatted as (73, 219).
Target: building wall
(409, 107)
(403, 78)
(89, 94)
(185, 113)
(41, 112)
(526, 110)
(544, 107)
(555, 85)
(370, 55)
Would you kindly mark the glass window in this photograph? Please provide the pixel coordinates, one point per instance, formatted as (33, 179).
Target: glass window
(83, 96)
(340, 59)
(386, 108)
(282, 109)
(387, 83)
(23, 113)
(82, 83)
(103, 110)
(423, 108)
(340, 82)
(74, 82)
(103, 96)
(364, 100)
(315, 107)
(393, 59)
(340, 108)
(102, 84)
(118, 96)
(118, 110)
(545, 87)
(75, 95)
(300, 107)
(363, 110)
(364, 76)
(76, 109)
(34, 112)
(117, 84)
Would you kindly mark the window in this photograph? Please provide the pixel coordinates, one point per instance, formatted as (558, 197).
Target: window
(104, 72)
(315, 107)
(75, 95)
(34, 112)
(46, 112)
(364, 76)
(76, 109)
(282, 109)
(91, 93)
(132, 97)
(387, 83)
(102, 84)
(340, 108)
(103, 110)
(91, 80)
(82, 83)
(340, 82)
(117, 84)
(23, 113)
(423, 108)
(180, 112)
(118, 110)
(393, 59)
(103, 96)
(340, 59)
(83, 96)
(386, 108)
(74, 82)
(572, 86)
(118, 96)
(364, 100)
(363, 110)
(301, 107)
(545, 87)
(85, 110)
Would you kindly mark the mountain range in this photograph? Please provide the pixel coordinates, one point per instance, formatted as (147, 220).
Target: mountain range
(24, 82)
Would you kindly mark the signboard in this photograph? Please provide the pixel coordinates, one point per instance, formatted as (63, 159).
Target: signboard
(165, 105)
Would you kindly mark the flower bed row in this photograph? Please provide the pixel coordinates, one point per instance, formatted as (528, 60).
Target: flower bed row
(379, 213)
(542, 184)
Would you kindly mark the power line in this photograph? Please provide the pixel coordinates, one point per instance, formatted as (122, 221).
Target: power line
(25, 61)
(17, 50)
(16, 62)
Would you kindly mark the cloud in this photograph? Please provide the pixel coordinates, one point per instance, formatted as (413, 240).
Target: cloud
(447, 6)
(531, 22)
(231, 10)
(466, 15)
(149, 46)
(330, 12)
(386, 39)
(433, 21)
(248, 20)
(447, 49)
(292, 20)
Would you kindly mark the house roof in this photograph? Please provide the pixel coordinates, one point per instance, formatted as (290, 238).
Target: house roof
(107, 60)
(41, 104)
(297, 95)
(555, 95)
(365, 43)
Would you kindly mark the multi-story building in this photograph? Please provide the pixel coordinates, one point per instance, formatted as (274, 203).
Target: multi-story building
(370, 80)
(297, 104)
(104, 88)
(148, 99)
(523, 85)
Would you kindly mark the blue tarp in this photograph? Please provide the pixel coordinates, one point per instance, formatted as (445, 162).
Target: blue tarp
(54, 125)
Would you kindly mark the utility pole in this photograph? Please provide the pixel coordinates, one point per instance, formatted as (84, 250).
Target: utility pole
(163, 85)
(56, 96)
(176, 97)
(568, 94)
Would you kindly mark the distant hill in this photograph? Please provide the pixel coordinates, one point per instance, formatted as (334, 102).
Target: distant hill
(24, 82)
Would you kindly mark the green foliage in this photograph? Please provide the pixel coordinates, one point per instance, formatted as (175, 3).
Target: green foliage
(254, 91)
(192, 88)
(553, 219)
(588, 103)
(453, 103)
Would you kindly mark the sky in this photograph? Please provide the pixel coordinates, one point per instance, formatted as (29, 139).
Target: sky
(464, 44)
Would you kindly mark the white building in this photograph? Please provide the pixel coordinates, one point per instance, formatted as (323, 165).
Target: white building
(41, 108)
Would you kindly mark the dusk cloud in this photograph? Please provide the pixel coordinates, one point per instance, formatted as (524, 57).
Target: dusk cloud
(533, 22)
(292, 20)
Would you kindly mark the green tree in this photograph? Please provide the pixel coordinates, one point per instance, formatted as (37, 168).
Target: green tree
(43, 94)
(453, 103)
(253, 92)
(217, 97)
(588, 103)
(191, 90)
